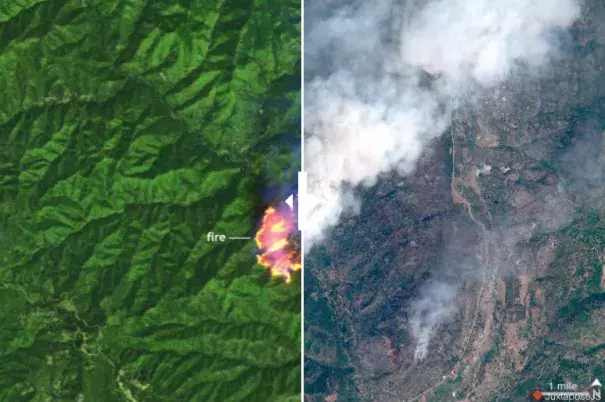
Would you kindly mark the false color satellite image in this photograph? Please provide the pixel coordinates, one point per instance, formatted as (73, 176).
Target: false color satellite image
(142, 143)
(455, 152)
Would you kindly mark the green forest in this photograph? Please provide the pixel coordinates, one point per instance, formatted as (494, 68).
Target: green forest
(128, 130)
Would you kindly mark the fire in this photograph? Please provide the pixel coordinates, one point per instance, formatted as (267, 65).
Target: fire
(274, 241)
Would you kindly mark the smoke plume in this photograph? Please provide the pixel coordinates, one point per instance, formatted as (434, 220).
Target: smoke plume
(429, 311)
(382, 78)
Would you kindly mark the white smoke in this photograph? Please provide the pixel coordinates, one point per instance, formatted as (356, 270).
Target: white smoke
(429, 311)
(374, 108)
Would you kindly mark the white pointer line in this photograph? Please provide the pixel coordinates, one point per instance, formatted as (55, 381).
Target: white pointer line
(239, 238)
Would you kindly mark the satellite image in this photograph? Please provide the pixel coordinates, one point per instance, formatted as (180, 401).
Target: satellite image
(146, 150)
(455, 242)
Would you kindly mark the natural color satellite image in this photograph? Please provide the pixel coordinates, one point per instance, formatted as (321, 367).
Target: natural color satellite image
(454, 210)
(455, 232)
(141, 144)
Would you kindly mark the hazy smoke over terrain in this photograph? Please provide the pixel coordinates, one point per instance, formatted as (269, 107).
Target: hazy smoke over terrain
(382, 79)
(388, 83)
(429, 311)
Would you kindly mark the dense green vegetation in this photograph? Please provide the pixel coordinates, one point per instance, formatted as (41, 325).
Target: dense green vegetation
(128, 130)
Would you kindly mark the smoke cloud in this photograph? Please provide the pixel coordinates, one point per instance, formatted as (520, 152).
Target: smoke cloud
(382, 81)
(436, 305)
(383, 78)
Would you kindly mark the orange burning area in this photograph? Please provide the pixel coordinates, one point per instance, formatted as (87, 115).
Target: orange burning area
(272, 240)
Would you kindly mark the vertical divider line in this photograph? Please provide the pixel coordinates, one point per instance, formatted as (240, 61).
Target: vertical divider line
(301, 211)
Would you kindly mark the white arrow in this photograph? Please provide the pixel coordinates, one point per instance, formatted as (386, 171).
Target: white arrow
(596, 383)
(290, 201)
